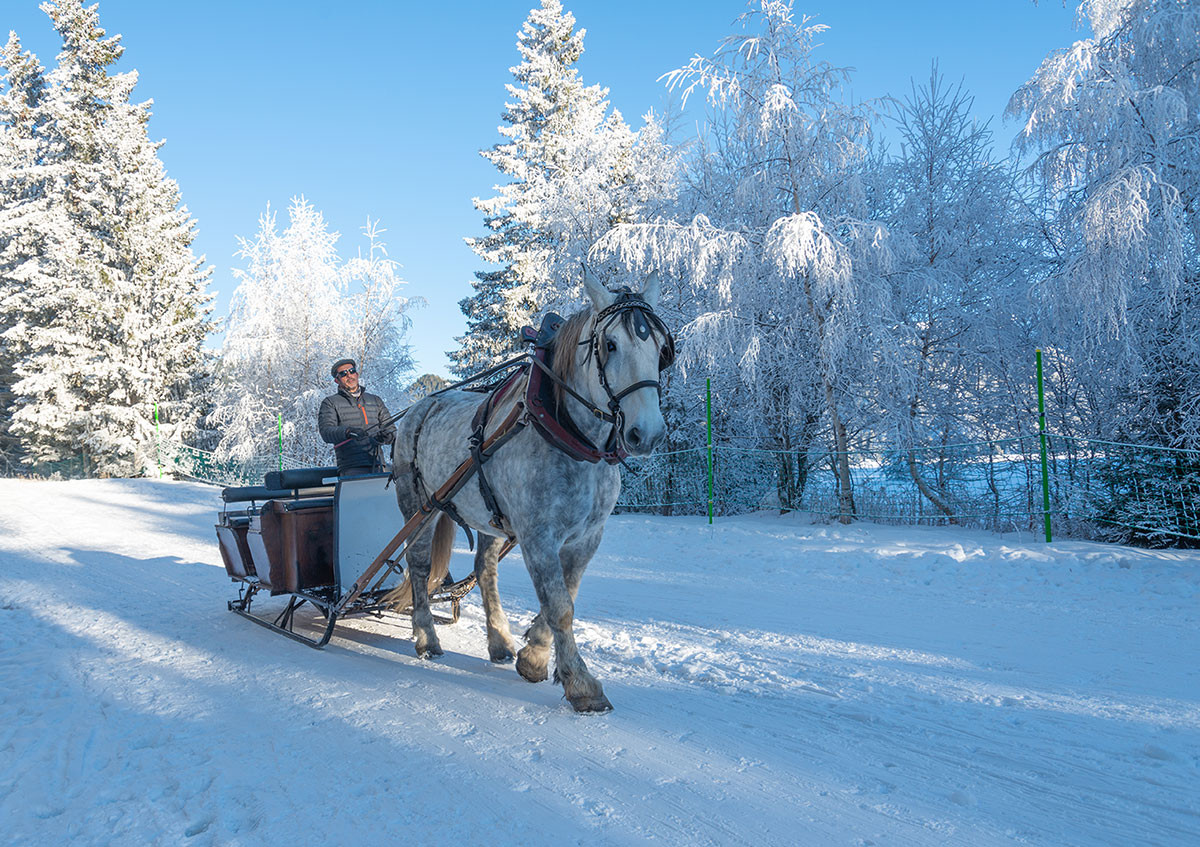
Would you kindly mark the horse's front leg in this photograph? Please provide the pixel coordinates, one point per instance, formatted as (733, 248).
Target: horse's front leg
(500, 641)
(558, 617)
(574, 560)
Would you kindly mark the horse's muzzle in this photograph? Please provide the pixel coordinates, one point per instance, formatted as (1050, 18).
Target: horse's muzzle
(640, 443)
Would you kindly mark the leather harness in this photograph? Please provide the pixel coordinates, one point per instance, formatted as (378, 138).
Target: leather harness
(538, 407)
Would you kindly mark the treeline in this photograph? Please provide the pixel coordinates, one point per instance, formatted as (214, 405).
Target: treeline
(842, 293)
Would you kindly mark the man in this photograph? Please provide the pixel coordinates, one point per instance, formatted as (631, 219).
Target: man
(347, 416)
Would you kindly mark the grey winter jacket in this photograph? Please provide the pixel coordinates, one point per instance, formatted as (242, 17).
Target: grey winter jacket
(340, 412)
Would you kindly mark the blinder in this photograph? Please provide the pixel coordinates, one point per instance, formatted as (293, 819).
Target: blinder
(645, 323)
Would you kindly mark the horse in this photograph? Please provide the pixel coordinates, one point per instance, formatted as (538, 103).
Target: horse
(533, 491)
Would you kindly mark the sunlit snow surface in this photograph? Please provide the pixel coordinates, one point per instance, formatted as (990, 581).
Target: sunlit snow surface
(775, 682)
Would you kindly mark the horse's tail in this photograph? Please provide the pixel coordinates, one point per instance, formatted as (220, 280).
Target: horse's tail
(443, 546)
(400, 598)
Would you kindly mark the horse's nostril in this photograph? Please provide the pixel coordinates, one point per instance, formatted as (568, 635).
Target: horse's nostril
(634, 437)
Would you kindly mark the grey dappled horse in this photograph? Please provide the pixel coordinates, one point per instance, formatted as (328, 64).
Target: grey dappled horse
(555, 506)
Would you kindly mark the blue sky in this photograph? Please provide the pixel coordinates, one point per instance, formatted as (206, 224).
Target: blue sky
(380, 108)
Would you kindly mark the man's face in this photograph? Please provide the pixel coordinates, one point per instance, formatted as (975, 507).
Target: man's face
(347, 377)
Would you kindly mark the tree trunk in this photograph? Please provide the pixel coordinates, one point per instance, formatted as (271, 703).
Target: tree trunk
(841, 459)
(930, 494)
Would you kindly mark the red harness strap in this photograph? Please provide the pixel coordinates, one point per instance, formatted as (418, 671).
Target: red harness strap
(550, 424)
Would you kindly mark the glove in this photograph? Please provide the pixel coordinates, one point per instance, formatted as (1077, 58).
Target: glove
(355, 432)
(383, 437)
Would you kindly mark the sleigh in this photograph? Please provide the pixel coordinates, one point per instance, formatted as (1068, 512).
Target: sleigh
(322, 542)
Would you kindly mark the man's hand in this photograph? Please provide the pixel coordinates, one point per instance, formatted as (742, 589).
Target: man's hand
(355, 432)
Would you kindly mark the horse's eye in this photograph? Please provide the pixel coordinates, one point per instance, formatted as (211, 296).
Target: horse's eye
(612, 347)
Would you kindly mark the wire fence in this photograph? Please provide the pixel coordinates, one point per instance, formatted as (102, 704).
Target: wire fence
(176, 459)
(1099, 489)
(1108, 490)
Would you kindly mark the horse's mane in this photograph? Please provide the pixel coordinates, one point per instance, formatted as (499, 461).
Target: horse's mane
(562, 351)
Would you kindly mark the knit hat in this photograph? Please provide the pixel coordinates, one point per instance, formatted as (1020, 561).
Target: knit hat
(333, 371)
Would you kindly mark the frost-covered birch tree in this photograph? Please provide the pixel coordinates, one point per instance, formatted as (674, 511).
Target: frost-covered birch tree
(114, 309)
(297, 309)
(787, 272)
(958, 288)
(1114, 123)
(575, 170)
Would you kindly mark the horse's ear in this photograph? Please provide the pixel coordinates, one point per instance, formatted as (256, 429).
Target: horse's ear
(652, 289)
(600, 296)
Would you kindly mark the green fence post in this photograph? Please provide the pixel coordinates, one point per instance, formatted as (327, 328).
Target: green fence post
(157, 443)
(280, 442)
(708, 407)
(1042, 436)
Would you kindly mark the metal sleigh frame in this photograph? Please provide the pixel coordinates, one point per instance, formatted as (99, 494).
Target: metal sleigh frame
(305, 530)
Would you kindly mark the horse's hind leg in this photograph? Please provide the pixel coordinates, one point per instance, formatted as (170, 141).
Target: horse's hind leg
(500, 641)
(419, 556)
(533, 661)
(420, 560)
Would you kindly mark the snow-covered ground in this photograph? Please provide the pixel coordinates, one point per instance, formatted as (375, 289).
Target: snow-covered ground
(775, 682)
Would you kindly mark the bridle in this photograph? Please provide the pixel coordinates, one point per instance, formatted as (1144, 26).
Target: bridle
(645, 324)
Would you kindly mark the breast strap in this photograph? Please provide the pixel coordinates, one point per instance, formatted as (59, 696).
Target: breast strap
(554, 424)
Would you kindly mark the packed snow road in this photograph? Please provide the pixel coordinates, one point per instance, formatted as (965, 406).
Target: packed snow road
(775, 682)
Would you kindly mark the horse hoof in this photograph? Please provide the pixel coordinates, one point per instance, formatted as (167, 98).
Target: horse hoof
(429, 652)
(502, 656)
(596, 704)
(530, 671)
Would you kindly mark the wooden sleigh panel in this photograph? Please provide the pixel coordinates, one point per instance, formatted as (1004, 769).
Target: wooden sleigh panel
(235, 551)
(293, 541)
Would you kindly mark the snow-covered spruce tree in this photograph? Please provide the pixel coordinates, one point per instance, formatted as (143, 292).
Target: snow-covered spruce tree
(789, 275)
(296, 310)
(31, 222)
(575, 171)
(1114, 121)
(959, 284)
(122, 304)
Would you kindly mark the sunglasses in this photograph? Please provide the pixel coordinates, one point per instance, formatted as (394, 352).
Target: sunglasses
(346, 372)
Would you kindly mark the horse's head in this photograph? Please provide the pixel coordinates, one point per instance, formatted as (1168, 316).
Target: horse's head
(627, 347)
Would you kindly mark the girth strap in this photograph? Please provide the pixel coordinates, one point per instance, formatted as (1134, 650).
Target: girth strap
(509, 429)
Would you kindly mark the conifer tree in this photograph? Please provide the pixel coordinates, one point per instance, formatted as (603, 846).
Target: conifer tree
(30, 221)
(122, 301)
(575, 171)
